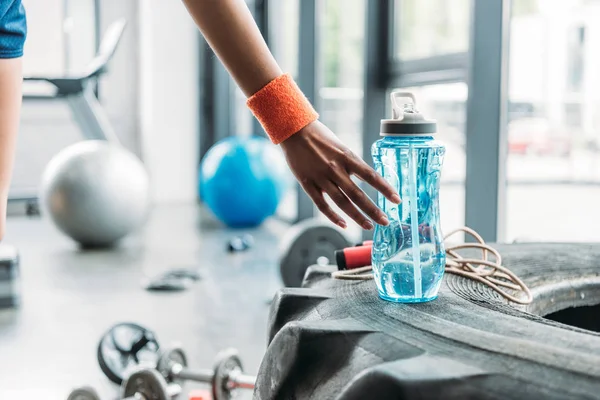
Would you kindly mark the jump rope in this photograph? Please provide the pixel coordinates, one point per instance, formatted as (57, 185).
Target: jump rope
(354, 264)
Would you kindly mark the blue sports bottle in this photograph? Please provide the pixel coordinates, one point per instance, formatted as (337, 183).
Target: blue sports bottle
(408, 255)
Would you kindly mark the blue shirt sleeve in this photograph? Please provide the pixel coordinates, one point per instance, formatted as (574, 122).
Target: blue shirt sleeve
(13, 28)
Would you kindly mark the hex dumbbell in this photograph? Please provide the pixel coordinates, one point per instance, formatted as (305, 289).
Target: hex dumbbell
(225, 378)
(144, 384)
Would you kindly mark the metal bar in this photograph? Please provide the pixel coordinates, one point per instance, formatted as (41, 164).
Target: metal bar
(91, 116)
(261, 15)
(376, 56)
(429, 78)
(447, 68)
(224, 107)
(20, 195)
(486, 137)
(434, 63)
(97, 40)
(66, 35)
(200, 375)
(216, 111)
(243, 381)
(308, 50)
(97, 25)
(307, 78)
(206, 104)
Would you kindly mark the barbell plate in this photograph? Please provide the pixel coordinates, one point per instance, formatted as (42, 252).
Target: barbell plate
(121, 350)
(304, 245)
(169, 357)
(146, 382)
(84, 393)
(226, 362)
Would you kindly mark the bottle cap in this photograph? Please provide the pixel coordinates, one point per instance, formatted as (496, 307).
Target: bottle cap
(406, 119)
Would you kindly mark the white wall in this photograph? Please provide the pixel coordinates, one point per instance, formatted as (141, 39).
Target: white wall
(119, 89)
(169, 93)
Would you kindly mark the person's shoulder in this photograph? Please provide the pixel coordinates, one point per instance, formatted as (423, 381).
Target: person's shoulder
(13, 28)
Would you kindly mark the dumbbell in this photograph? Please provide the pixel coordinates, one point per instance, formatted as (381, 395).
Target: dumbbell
(148, 384)
(226, 376)
(144, 384)
(84, 393)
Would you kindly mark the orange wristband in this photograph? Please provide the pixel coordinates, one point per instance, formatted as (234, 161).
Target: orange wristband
(281, 108)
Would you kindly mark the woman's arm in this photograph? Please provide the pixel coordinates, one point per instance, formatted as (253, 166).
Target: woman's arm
(319, 160)
(228, 26)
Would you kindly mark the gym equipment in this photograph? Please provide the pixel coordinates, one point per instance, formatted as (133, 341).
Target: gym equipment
(242, 180)
(78, 90)
(9, 276)
(173, 280)
(489, 270)
(143, 384)
(471, 343)
(308, 243)
(240, 243)
(353, 257)
(84, 393)
(96, 192)
(126, 347)
(148, 384)
(225, 378)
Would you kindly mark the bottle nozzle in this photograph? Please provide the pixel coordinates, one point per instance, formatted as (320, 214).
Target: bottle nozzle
(399, 109)
(406, 118)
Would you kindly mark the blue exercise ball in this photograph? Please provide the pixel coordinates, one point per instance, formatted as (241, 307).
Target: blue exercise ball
(243, 179)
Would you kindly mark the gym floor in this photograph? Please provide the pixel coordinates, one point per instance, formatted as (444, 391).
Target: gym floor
(71, 297)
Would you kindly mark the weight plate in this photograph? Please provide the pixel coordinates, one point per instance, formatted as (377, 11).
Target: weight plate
(168, 358)
(308, 243)
(124, 348)
(227, 361)
(84, 393)
(145, 382)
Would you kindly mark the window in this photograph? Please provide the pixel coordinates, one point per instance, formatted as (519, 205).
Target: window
(426, 28)
(341, 72)
(429, 58)
(283, 33)
(283, 30)
(61, 36)
(342, 69)
(79, 29)
(554, 120)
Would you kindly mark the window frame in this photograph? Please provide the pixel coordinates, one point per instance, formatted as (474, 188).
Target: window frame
(484, 68)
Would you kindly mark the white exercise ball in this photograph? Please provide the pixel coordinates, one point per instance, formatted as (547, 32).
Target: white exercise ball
(96, 192)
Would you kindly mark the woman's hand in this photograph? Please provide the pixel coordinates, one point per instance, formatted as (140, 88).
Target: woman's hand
(324, 165)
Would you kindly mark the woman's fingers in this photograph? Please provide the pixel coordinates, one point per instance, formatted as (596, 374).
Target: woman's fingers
(344, 203)
(317, 197)
(370, 176)
(352, 192)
